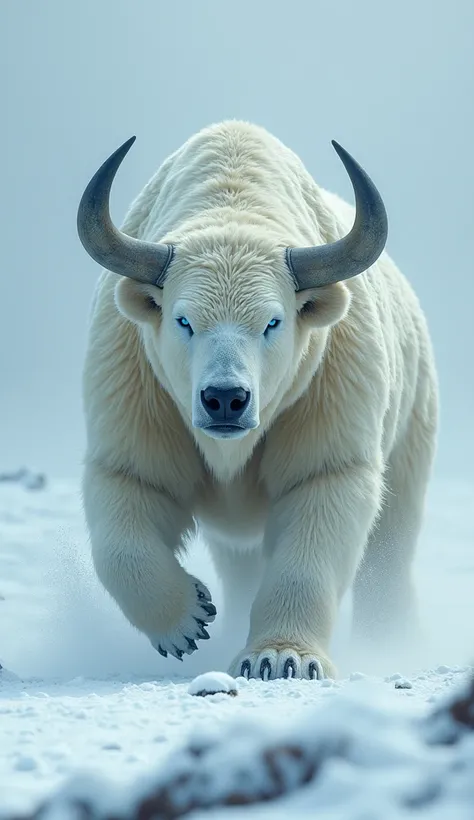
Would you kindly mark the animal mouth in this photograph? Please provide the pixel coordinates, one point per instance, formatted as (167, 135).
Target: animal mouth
(226, 430)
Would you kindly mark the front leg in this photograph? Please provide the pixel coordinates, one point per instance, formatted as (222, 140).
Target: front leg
(135, 531)
(313, 542)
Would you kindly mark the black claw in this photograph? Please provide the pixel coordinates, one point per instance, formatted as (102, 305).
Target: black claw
(203, 635)
(245, 668)
(178, 653)
(162, 651)
(313, 670)
(265, 664)
(192, 644)
(289, 664)
(209, 609)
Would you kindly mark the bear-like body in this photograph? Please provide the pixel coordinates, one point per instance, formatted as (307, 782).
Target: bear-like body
(328, 489)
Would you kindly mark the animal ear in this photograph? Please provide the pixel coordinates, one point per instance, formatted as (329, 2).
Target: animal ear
(323, 307)
(138, 302)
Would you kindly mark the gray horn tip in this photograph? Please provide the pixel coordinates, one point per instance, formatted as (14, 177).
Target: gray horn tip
(125, 147)
(339, 149)
(118, 156)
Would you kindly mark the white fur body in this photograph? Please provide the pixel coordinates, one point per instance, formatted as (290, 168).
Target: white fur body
(346, 402)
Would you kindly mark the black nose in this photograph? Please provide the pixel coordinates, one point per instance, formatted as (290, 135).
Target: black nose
(225, 405)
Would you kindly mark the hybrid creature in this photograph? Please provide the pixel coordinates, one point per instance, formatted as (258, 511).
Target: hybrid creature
(257, 370)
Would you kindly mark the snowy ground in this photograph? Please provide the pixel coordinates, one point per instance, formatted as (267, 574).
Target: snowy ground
(82, 691)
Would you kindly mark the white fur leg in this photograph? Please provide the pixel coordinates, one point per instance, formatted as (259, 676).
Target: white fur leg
(240, 573)
(134, 532)
(314, 541)
(385, 606)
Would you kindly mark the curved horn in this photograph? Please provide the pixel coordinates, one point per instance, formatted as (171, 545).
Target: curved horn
(145, 262)
(324, 264)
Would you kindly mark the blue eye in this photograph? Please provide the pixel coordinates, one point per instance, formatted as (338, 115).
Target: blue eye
(272, 324)
(183, 322)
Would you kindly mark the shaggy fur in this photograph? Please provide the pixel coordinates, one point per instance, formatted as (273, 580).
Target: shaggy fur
(328, 489)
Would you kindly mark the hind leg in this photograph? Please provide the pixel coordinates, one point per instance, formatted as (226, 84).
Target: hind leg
(240, 574)
(384, 599)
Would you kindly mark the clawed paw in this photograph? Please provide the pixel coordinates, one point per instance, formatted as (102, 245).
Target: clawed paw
(271, 663)
(182, 641)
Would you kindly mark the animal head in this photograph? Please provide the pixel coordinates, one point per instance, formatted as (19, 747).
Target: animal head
(226, 314)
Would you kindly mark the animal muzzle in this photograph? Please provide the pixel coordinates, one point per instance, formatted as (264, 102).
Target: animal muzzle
(225, 384)
(225, 406)
(225, 412)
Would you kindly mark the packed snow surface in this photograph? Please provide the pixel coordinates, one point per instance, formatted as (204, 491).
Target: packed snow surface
(88, 707)
(211, 683)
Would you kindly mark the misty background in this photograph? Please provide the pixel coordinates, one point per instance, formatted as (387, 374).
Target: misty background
(393, 82)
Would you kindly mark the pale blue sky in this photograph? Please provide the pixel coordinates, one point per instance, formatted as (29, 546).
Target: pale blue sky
(392, 82)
